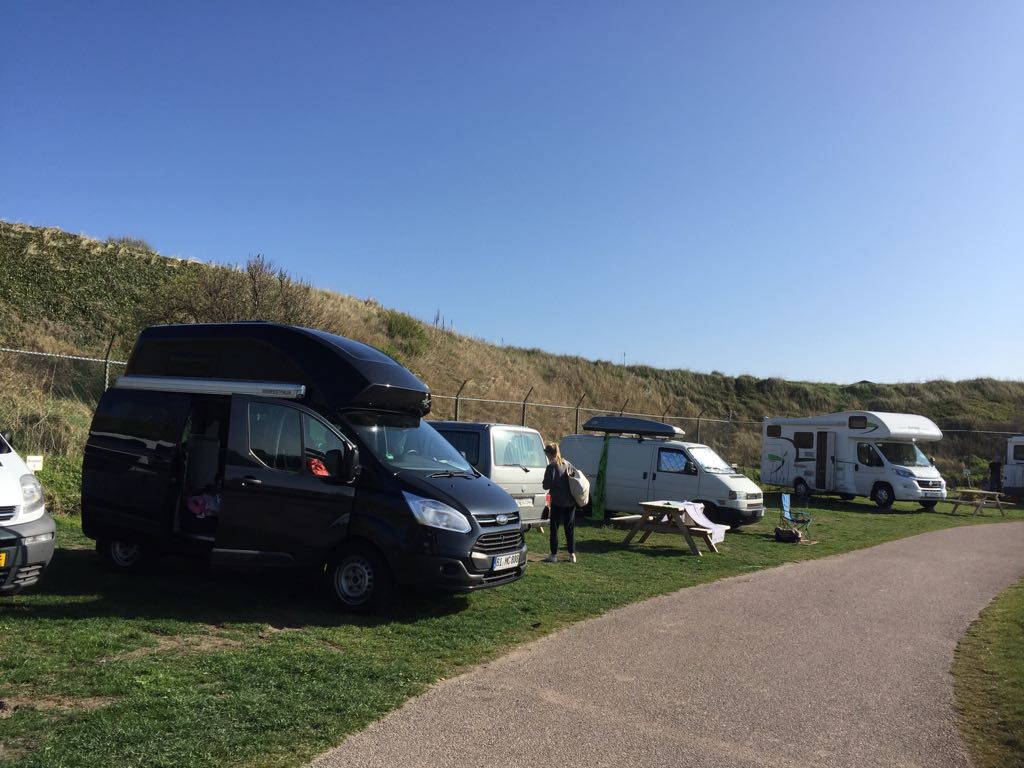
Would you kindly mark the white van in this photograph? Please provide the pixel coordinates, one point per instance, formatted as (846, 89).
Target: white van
(1013, 469)
(853, 453)
(26, 530)
(647, 461)
(510, 455)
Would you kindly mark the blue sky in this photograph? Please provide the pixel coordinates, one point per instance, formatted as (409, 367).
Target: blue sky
(813, 190)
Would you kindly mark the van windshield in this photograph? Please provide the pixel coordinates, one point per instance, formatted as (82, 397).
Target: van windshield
(710, 461)
(515, 448)
(406, 443)
(904, 454)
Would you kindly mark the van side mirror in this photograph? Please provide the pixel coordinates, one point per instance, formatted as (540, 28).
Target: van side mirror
(691, 468)
(343, 465)
(6, 435)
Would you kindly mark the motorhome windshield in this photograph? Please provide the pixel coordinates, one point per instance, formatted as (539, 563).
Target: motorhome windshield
(406, 443)
(710, 461)
(904, 454)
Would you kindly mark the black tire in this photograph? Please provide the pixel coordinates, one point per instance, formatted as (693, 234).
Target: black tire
(847, 496)
(800, 489)
(359, 580)
(120, 555)
(928, 506)
(882, 496)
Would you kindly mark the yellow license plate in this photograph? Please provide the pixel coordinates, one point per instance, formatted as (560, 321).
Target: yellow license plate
(3, 559)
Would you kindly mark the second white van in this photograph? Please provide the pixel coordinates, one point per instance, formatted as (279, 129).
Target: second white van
(648, 461)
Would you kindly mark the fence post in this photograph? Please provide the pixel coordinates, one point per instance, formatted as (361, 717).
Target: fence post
(524, 405)
(458, 395)
(698, 422)
(578, 402)
(106, 364)
(623, 408)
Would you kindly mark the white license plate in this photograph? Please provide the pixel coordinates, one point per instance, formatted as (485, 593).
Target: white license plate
(524, 502)
(931, 493)
(501, 562)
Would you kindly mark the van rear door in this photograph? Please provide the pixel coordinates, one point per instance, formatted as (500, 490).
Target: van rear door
(280, 500)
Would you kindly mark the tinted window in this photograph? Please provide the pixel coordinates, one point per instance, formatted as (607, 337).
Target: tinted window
(774, 430)
(671, 461)
(1018, 453)
(867, 455)
(518, 449)
(139, 415)
(803, 439)
(466, 443)
(858, 422)
(275, 437)
(318, 440)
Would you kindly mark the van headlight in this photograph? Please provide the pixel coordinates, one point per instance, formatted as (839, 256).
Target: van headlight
(437, 514)
(31, 491)
(737, 495)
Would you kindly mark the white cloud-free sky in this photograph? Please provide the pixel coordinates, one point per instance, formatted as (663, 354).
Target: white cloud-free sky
(812, 190)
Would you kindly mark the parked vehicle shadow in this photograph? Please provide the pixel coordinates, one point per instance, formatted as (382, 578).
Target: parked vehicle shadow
(77, 585)
(664, 546)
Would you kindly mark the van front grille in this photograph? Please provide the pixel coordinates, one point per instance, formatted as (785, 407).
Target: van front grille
(489, 519)
(8, 513)
(501, 577)
(499, 541)
(929, 483)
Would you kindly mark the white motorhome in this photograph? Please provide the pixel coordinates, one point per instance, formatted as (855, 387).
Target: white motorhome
(648, 461)
(1013, 468)
(853, 453)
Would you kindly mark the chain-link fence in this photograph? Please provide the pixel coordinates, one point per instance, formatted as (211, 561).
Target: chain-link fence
(48, 399)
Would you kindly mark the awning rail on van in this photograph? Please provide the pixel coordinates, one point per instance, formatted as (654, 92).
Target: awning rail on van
(279, 389)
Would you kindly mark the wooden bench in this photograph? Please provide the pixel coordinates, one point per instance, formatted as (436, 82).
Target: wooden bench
(979, 500)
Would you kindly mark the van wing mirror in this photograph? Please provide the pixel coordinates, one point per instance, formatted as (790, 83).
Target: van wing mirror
(691, 468)
(343, 465)
(6, 435)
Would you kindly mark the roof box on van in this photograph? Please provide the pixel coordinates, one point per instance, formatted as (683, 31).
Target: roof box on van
(625, 425)
(337, 373)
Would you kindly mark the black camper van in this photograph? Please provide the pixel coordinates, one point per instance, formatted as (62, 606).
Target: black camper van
(271, 444)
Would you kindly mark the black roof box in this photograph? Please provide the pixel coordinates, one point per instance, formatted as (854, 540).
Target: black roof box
(338, 373)
(626, 425)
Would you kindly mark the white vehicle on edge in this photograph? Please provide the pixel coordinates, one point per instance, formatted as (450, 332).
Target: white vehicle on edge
(853, 453)
(26, 531)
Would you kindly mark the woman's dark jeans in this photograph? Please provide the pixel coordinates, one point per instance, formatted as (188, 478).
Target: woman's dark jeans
(563, 516)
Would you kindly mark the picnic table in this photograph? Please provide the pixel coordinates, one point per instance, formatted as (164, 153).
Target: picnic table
(969, 497)
(679, 517)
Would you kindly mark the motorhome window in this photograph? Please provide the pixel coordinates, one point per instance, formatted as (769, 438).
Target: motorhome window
(513, 448)
(406, 443)
(670, 460)
(773, 430)
(275, 437)
(710, 461)
(867, 456)
(904, 454)
(466, 443)
(1018, 453)
(803, 439)
(858, 422)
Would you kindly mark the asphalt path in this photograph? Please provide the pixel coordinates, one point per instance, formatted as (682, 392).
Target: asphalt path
(842, 661)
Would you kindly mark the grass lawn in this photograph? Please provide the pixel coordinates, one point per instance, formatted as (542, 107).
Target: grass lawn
(989, 683)
(186, 666)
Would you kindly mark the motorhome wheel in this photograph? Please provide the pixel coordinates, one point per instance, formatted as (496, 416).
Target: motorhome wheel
(359, 580)
(121, 555)
(882, 495)
(801, 490)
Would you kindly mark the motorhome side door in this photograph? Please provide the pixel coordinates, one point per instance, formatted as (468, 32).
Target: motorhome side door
(825, 461)
(674, 476)
(280, 501)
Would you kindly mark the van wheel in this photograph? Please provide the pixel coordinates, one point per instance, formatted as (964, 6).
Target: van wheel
(847, 496)
(359, 580)
(120, 555)
(710, 510)
(801, 490)
(882, 495)
(928, 506)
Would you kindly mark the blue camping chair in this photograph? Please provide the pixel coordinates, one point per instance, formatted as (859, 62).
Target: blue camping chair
(801, 521)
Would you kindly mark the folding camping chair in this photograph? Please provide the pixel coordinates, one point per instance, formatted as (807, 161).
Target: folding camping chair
(795, 519)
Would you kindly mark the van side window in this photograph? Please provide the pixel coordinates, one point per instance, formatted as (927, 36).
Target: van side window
(518, 449)
(867, 456)
(318, 441)
(275, 437)
(671, 461)
(466, 443)
(803, 439)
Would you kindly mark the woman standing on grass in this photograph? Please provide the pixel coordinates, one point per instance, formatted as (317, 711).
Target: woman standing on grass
(563, 506)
